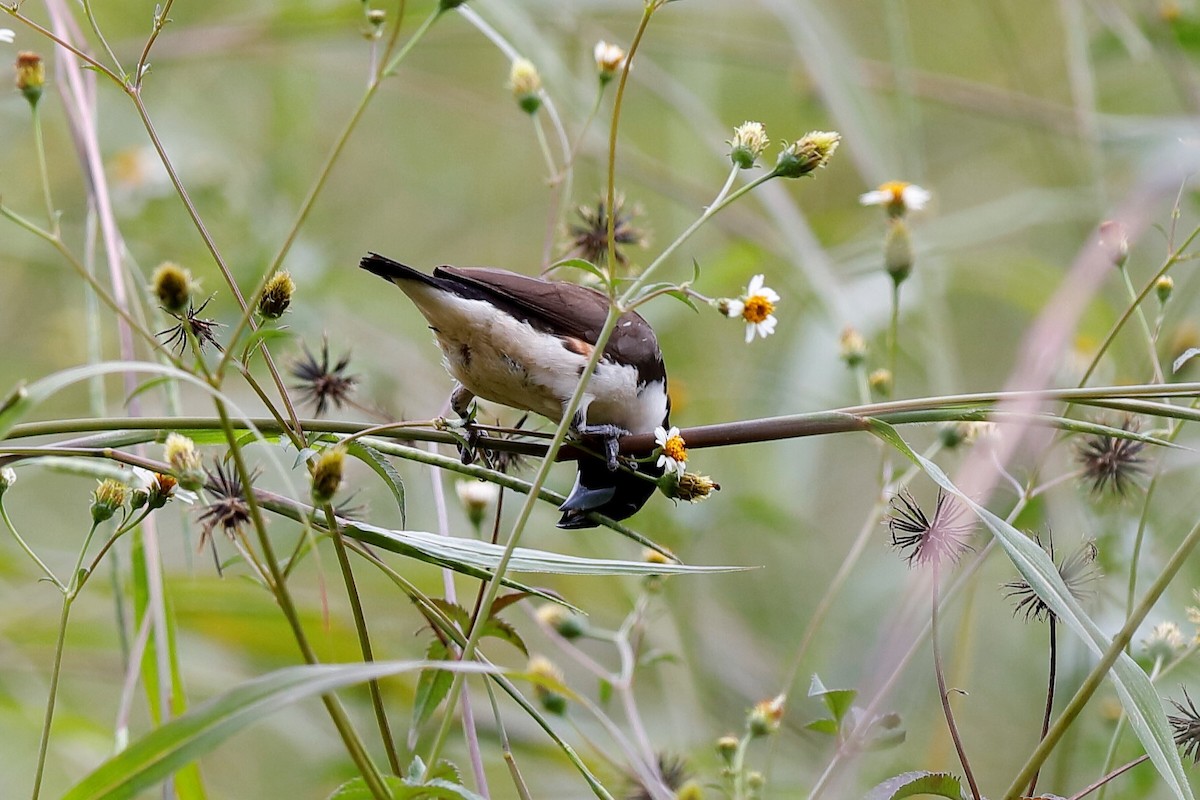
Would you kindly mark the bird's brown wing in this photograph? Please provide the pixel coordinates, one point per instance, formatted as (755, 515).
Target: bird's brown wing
(566, 309)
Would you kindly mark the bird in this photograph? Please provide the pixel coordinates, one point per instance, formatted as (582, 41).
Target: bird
(524, 342)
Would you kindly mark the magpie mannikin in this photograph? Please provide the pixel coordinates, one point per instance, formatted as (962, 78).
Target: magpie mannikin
(524, 342)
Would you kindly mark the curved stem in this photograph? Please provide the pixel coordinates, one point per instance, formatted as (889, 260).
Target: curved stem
(943, 693)
(29, 550)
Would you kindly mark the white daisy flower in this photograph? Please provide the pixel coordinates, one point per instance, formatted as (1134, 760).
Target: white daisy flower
(674, 452)
(898, 197)
(757, 308)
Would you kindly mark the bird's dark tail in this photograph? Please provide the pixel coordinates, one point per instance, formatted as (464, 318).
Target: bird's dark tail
(617, 494)
(393, 271)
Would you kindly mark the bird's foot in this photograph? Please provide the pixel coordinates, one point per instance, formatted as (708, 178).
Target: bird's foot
(460, 403)
(609, 435)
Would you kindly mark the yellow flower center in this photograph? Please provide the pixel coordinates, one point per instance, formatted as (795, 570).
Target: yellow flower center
(675, 448)
(757, 309)
(896, 190)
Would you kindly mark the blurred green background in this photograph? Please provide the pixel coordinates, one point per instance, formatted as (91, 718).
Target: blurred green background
(1029, 121)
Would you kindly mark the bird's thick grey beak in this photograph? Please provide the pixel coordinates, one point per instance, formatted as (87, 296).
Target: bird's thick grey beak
(584, 499)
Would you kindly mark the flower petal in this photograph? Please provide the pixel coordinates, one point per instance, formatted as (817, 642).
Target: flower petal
(877, 197)
(756, 284)
(915, 197)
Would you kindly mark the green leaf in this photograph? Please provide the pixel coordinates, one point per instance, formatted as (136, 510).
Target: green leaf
(145, 386)
(684, 298)
(499, 629)
(823, 726)
(471, 555)
(1137, 694)
(434, 789)
(838, 701)
(181, 741)
(432, 687)
(581, 264)
(384, 469)
(262, 336)
(912, 784)
(507, 600)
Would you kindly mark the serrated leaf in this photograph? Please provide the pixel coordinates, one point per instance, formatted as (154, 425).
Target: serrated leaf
(456, 613)
(504, 601)
(382, 467)
(1138, 697)
(911, 784)
(499, 629)
(169, 747)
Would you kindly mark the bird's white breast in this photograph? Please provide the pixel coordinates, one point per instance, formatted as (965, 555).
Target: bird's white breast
(500, 358)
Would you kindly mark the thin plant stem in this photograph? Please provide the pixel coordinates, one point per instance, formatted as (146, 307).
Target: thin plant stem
(893, 343)
(869, 527)
(1135, 301)
(1108, 778)
(29, 550)
(629, 298)
(39, 146)
(58, 244)
(1052, 672)
(544, 145)
(91, 18)
(354, 746)
(943, 692)
(323, 174)
(510, 760)
(364, 638)
(55, 673)
(1096, 677)
(611, 183)
(14, 12)
(161, 18)
(1177, 255)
